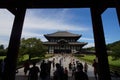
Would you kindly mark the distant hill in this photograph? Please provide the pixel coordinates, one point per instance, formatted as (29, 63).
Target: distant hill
(115, 48)
(113, 45)
(110, 46)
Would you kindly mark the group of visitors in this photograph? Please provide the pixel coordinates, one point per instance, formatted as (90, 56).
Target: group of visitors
(60, 73)
(79, 71)
(34, 71)
(79, 74)
(43, 72)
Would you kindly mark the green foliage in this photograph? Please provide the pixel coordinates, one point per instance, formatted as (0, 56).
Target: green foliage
(115, 48)
(90, 48)
(2, 57)
(32, 46)
(25, 57)
(112, 48)
(117, 43)
(114, 64)
(2, 51)
(88, 58)
(1, 46)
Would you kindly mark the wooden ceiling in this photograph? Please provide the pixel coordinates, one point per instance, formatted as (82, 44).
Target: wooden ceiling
(58, 3)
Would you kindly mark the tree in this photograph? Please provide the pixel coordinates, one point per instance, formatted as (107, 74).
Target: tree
(115, 48)
(1, 46)
(2, 50)
(33, 47)
(116, 52)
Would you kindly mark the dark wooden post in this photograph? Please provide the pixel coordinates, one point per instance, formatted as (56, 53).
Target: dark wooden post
(100, 46)
(12, 53)
(48, 48)
(118, 13)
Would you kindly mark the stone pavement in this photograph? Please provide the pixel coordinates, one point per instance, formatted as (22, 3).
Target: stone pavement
(66, 59)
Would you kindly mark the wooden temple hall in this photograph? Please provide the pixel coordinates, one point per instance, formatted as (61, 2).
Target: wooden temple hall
(63, 42)
(97, 7)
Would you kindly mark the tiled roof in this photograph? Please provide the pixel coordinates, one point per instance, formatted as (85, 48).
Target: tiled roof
(62, 34)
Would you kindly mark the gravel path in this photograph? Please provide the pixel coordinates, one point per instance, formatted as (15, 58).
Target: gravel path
(65, 60)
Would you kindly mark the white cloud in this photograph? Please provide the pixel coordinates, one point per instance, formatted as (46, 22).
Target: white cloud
(4, 42)
(6, 22)
(50, 25)
(88, 39)
(33, 23)
(30, 34)
(89, 45)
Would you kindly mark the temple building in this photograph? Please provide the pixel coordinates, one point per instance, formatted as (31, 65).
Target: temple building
(63, 42)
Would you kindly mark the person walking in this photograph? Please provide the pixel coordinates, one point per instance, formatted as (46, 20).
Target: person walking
(49, 68)
(0, 69)
(65, 74)
(79, 74)
(95, 66)
(53, 63)
(33, 74)
(85, 67)
(44, 71)
(3, 63)
(59, 73)
(70, 66)
(26, 67)
(73, 69)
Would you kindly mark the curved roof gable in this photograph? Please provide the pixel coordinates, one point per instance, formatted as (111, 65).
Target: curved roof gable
(62, 34)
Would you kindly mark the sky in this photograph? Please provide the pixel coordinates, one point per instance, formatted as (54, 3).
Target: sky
(45, 21)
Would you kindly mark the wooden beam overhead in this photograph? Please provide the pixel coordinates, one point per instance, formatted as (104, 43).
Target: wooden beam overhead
(55, 3)
(118, 10)
(118, 14)
(101, 10)
(12, 10)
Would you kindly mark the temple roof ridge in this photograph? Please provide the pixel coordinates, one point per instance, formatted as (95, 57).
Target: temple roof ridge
(62, 34)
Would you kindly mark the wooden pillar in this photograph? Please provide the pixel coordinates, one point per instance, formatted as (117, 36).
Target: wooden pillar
(70, 49)
(118, 13)
(53, 48)
(12, 53)
(66, 48)
(48, 49)
(100, 46)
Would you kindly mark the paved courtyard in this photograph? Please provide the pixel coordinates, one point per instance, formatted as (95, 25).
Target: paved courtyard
(66, 59)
